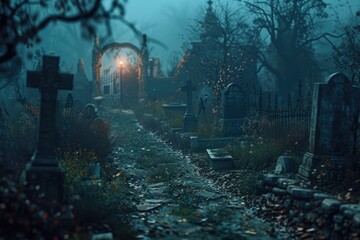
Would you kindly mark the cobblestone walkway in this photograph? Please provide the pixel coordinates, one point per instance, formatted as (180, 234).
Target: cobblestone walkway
(172, 200)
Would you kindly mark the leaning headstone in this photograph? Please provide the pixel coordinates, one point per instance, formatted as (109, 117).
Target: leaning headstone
(190, 120)
(43, 174)
(234, 110)
(332, 134)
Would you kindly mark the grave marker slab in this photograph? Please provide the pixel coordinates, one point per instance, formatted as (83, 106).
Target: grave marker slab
(332, 137)
(43, 174)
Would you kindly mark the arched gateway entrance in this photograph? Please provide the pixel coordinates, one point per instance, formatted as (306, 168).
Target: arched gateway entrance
(143, 62)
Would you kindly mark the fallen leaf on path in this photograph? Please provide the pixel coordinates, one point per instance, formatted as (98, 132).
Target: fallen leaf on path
(250, 232)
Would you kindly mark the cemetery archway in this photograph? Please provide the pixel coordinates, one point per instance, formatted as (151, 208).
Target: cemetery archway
(142, 55)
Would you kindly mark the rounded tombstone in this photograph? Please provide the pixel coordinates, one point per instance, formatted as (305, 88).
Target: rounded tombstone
(90, 112)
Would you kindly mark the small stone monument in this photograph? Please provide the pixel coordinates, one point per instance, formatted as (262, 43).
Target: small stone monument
(234, 110)
(190, 120)
(43, 174)
(332, 135)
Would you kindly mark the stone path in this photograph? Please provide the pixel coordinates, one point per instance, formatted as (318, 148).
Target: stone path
(173, 201)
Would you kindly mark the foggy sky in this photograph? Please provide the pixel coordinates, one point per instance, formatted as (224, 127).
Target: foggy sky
(167, 20)
(163, 20)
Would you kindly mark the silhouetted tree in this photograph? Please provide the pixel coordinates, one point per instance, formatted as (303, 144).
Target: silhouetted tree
(218, 57)
(290, 27)
(347, 54)
(22, 20)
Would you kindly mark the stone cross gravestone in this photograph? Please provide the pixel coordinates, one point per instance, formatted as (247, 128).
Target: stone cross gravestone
(234, 109)
(190, 120)
(43, 174)
(332, 136)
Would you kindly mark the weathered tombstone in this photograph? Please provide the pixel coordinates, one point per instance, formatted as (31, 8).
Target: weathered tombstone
(43, 174)
(190, 120)
(332, 135)
(234, 110)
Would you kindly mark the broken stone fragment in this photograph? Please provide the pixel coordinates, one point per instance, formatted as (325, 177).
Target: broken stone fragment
(321, 196)
(330, 204)
(271, 179)
(302, 193)
(351, 208)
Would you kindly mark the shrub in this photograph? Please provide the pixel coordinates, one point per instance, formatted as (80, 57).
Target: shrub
(294, 140)
(95, 137)
(206, 130)
(157, 108)
(101, 203)
(19, 140)
(76, 165)
(175, 122)
(257, 155)
(262, 152)
(258, 126)
(20, 218)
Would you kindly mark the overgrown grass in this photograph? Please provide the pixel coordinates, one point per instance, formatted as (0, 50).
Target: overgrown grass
(18, 140)
(83, 143)
(175, 122)
(76, 165)
(95, 136)
(256, 155)
(206, 130)
(267, 143)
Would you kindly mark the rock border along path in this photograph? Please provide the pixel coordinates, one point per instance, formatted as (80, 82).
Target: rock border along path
(173, 200)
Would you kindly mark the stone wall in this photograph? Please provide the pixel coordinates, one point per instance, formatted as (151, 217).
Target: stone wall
(308, 213)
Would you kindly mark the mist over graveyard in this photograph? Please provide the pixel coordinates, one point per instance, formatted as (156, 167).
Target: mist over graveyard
(179, 119)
